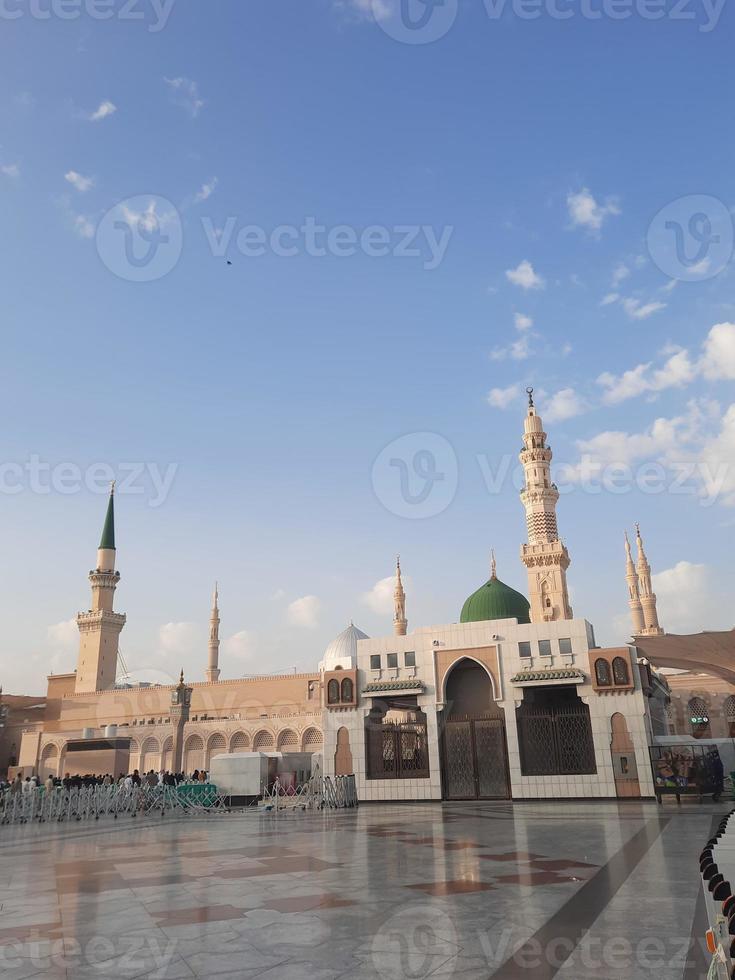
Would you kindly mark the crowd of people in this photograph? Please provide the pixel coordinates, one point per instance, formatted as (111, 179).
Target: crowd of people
(151, 779)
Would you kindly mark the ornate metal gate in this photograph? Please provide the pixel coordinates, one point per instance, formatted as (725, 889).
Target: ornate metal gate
(555, 739)
(475, 759)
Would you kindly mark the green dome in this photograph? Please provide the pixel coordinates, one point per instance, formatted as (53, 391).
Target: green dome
(495, 600)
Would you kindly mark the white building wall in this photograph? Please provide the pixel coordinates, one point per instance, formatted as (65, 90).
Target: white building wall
(505, 635)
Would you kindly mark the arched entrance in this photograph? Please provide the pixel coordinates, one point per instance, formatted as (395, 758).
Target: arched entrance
(625, 767)
(343, 754)
(474, 753)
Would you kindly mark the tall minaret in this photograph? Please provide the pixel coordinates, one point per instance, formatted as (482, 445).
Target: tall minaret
(634, 599)
(545, 556)
(213, 666)
(648, 597)
(400, 623)
(99, 628)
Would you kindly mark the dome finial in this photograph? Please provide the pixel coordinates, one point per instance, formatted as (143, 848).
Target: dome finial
(493, 565)
(529, 392)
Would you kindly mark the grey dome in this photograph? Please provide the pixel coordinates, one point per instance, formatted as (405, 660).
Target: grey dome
(342, 651)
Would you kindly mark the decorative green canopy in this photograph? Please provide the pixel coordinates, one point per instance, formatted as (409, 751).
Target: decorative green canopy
(495, 600)
(108, 531)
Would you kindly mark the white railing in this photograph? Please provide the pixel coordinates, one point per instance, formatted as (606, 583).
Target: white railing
(94, 802)
(317, 793)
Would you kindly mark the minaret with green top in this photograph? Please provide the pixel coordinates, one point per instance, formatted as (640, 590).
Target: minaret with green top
(100, 626)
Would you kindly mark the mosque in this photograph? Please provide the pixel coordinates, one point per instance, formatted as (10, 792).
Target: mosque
(514, 701)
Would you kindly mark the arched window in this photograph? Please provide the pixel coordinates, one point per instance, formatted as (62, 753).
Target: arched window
(699, 718)
(312, 740)
(728, 709)
(288, 740)
(620, 672)
(602, 673)
(347, 690)
(239, 742)
(333, 692)
(263, 740)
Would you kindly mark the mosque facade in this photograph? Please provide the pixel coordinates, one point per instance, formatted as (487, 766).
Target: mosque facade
(514, 701)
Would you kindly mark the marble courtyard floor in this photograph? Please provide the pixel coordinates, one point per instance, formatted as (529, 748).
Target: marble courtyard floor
(392, 892)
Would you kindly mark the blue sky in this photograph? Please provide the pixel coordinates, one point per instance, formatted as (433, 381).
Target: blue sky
(542, 150)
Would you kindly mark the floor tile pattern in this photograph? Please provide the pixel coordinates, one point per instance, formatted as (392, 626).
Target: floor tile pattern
(387, 892)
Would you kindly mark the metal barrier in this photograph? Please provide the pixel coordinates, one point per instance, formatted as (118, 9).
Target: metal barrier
(94, 802)
(340, 793)
(318, 793)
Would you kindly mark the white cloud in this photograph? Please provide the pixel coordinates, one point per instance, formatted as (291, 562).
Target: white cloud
(620, 273)
(150, 219)
(618, 449)
(676, 372)
(637, 310)
(718, 354)
(628, 385)
(63, 636)
(503, 397)
(686, 598)
(240, 645)
(206, 191)
(525, 276)
(716, 461)
(304, 612)
(609, 299)
(717, 362)
(700, 268)
(78, 181)
(10, 169)
(185, 93)
(380, 597)
(585, 212)
(176, 639)
(520, 349)
(565, 404)
(103, 111)
(366, 9)
(696, 449)
(83, 226)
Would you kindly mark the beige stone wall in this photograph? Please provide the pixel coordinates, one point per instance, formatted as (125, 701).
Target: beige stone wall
(717, 694)
(282, 713)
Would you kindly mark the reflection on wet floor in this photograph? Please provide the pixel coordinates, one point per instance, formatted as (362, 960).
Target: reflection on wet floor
(539, 890)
